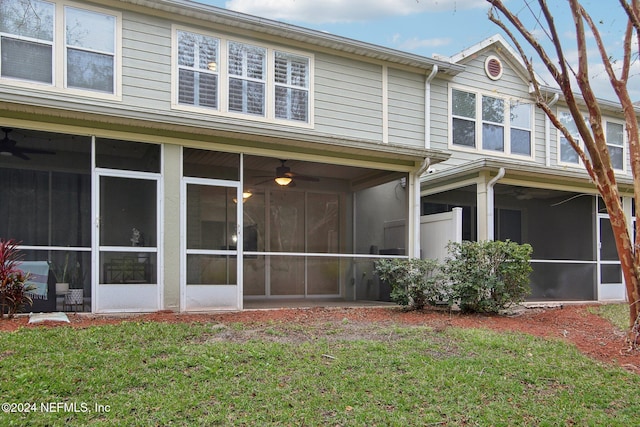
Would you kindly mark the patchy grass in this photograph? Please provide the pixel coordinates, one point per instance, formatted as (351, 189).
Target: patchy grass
(141, 373)
(617, 314)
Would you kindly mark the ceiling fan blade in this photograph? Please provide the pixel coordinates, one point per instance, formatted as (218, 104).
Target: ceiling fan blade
(305, 177)
(19, 154)
(34, 150)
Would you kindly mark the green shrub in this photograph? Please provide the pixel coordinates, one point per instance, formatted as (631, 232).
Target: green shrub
(487, 277)
(414, 282)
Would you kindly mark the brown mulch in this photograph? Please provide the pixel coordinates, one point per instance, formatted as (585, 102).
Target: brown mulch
(591, 334)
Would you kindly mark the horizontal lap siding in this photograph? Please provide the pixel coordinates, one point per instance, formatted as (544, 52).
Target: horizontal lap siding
(348, 97)
(146, 57)
(406, 108)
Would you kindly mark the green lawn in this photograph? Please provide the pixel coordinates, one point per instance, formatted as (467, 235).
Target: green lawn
(326, 374)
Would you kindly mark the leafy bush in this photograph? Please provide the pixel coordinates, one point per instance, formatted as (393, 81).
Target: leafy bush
(487, 277)
(13, 287)
(414, 282)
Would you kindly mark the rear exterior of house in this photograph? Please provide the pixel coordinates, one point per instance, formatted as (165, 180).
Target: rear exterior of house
(141, 141)
(515, 177)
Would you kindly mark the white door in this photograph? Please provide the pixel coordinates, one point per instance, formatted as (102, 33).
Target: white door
(211, 276)
(128, 241)
(610, 284)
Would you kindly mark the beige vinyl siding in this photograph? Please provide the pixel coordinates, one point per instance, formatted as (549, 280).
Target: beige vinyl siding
(146, 57)
(406, 108)
(348, 97)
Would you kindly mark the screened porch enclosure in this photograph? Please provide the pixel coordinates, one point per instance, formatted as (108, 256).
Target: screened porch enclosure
(317, 237)
(574, 255)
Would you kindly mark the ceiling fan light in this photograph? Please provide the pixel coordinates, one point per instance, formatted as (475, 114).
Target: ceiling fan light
(246, 194)
(5, 153)
(283, 180)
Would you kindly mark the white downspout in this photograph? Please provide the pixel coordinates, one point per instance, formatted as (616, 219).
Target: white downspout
(491, 203)
(547, 132)
(427, 107)
(416, 206)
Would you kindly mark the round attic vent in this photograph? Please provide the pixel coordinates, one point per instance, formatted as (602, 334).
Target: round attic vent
(493, 67)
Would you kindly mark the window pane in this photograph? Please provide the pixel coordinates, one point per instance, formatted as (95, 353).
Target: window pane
(567, 120)
(464, 132)
(196, 88)
(90, 30)
(492, 109)
(615, 134)
(567, 153)
(492, 137)
(198, 51)
(86, 70)
(287, 222)
(246, 60)
(291, 70)
(26, 60)
(32, 18)
(464, 104)
(521, 142)
(246, 96)
(291, 103)
(521, 115)
(617, 157)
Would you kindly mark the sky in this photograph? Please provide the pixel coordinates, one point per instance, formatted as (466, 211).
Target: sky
(443, 27)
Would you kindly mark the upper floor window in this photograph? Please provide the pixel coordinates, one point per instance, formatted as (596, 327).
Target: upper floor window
(292, 86)
(614, 133)
(198, 71)
(247, 78)
(26, 40)
(234, 77)
(77, 52)
(490, 123)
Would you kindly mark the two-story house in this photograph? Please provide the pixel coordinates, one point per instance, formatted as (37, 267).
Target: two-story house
(515, 177)
(164, 154)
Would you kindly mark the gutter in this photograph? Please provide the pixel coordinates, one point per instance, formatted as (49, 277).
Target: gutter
(547, 132)
(491, 203)
(427, 107)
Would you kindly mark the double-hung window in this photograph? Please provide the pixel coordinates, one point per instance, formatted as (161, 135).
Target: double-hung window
(291, 86)
(198, 70)
(90, 49)
(26, 40)
(615, 144)
(490, 123)
(566, 152)
(247, 78)
(231, 77)
(76, 52)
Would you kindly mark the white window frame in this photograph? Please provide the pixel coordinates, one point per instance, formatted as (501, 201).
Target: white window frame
(223, 76)
(479, 122)
(606, 121)
(624, 142)
(59, 57)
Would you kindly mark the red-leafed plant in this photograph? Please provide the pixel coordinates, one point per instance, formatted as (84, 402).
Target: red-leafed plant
(13, 287)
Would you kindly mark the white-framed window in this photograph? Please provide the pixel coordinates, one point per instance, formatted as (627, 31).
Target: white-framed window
(491, 123)
(291, 86)
(26, 40)
(229, 76)
(198, 70)
(59, 44)
(247, 78)
(614, 133)
(566, 153)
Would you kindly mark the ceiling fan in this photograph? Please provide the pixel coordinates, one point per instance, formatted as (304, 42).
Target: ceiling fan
(9, 147)
(285, 178)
